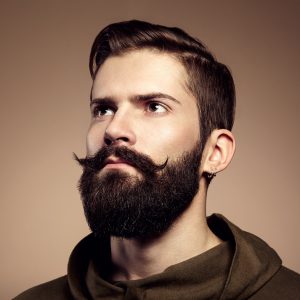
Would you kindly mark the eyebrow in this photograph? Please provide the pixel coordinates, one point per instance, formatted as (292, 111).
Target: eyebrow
(105, 100)
(145, 97)
(153, 96)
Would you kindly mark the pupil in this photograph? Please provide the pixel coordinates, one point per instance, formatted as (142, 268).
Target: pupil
(153, 106)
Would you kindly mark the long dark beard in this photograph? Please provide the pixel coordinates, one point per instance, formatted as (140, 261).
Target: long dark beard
(122, 205)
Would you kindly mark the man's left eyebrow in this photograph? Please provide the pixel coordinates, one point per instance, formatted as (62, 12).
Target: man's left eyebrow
(153, 96)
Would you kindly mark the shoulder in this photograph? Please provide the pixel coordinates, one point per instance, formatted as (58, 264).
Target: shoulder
(285, 284)
(54, 289)
(289, 277)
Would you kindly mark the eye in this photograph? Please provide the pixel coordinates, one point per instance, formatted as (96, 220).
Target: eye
(102, 111)
(156, 107)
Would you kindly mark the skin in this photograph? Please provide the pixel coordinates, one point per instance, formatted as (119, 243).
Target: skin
(140, 100)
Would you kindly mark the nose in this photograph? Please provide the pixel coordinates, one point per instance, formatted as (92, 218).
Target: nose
(120, 130)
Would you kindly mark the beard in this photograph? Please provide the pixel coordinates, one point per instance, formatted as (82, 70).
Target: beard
(122, 205)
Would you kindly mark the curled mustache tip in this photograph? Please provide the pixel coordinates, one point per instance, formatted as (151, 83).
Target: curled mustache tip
(79, 160)
(162, 166)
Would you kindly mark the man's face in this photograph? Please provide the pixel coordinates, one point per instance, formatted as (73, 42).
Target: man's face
(140, 100)
(143, 146)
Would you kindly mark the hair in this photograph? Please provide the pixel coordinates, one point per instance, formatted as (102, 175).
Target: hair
(209, 81)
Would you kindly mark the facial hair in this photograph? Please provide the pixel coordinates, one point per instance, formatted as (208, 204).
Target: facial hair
(123, 205)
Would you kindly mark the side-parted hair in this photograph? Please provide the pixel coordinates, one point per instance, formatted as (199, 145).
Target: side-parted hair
(209, 81)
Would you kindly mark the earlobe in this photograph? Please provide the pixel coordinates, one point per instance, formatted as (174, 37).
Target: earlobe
(220, 149)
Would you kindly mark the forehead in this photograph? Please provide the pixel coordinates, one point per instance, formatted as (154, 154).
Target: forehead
(139, 72)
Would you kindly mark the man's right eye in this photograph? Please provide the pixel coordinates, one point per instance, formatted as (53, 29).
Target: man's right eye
(102, 111)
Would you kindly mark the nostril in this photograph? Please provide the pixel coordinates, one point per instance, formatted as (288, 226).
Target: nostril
(107, 141)
(124, 139)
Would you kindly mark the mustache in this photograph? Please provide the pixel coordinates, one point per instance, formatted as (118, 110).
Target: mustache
(140, 161)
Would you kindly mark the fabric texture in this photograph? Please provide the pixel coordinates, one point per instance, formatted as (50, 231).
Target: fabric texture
(242, 267)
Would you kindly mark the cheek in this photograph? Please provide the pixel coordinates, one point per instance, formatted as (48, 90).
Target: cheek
(171, 141)
(94, 139)
(180, 141)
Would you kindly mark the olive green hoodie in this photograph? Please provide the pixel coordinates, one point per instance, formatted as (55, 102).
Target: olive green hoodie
(242, 267)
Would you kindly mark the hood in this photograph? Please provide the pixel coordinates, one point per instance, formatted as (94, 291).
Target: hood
(254, 262)
(248, 261)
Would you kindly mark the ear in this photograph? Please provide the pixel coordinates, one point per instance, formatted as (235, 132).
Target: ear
(219, 151)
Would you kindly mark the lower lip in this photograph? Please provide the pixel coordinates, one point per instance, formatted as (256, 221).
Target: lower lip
(116, 166)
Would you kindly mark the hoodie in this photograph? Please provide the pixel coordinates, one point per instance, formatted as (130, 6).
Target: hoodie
(242, 267)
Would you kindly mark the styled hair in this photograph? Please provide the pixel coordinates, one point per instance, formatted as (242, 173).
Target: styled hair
(209, 81)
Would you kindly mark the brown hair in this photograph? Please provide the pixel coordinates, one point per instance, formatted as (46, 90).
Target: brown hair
(209, 81)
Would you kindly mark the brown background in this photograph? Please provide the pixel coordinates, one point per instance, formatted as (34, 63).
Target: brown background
(44, 117)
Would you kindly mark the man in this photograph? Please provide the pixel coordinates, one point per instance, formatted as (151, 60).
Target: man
(162, 109)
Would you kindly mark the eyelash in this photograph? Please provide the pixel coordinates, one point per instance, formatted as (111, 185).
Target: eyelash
(97, 108)
(148, 104)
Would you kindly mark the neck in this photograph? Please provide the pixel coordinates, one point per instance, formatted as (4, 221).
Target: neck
(188, 236)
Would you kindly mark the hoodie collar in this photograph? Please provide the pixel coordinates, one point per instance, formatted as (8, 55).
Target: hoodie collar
(234, 269)
(254, 262)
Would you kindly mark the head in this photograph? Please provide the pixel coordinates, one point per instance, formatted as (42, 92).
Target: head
(208, 80)
(162, 108)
